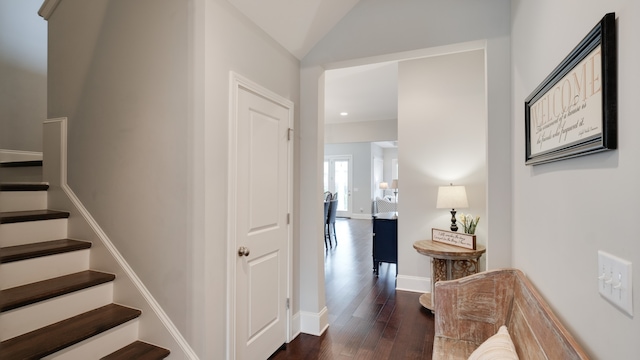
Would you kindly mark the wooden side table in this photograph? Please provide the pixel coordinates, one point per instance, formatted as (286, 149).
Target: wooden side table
(448, 262)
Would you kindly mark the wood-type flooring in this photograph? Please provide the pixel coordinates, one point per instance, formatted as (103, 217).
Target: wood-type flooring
(368, 318)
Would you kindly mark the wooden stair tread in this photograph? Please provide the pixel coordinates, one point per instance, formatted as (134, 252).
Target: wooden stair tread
(19, 296)
(29, 251)
(27, 163)
(49, 339)
(138, 350)
(24, 187)
(9, 217)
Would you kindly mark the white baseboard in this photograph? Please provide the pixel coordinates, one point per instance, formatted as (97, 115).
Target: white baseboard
(314, 323)
(295, 326)
(413, 283)
(19, 155)
(361, 216)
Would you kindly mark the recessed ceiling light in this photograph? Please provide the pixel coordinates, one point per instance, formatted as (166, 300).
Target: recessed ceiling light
(344, 113)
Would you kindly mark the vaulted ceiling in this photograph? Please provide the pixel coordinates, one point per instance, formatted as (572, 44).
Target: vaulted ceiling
(366, 93)
(296, 25)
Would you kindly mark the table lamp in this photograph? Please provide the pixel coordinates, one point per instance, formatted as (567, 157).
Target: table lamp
(452, 197)
(394, 186)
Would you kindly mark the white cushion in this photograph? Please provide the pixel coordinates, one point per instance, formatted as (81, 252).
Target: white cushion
(499, 346)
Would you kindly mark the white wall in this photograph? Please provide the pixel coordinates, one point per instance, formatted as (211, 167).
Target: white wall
(389, 155)
(124, 90)
(230, 43)
(442, 135)
(364, 131)
(23, 74)
(145, 86)
(379, 30)
(565, 212)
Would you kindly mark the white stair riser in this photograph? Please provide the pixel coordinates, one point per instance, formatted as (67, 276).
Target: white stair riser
(21, 174)
(31, 317)
(100, 345)
(27, 271)
(23, 200)
(32, 231)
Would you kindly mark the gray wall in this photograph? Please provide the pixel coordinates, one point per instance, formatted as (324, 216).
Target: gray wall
(124, 90)
(23, 74)
(442, 125)
(375, 30)
(565, 212)
(145, 85)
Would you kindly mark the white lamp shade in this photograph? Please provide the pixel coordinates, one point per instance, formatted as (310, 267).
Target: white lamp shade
(394, 184)
(452, 197)
(383, 185)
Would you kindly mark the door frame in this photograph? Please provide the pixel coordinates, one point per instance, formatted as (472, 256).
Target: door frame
(236, 82)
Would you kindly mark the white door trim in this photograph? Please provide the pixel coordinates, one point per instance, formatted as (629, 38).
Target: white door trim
(236, 82)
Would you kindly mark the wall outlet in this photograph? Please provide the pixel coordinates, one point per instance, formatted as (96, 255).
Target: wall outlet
(614, 281)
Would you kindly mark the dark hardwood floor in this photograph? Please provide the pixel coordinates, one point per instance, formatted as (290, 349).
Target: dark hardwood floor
(368, 318)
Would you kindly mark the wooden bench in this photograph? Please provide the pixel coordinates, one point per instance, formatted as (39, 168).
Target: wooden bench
(471, 309)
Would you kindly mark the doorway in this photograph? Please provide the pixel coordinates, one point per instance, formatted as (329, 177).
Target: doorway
(338, 178)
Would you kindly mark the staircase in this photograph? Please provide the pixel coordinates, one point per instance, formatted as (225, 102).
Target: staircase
(52, 305)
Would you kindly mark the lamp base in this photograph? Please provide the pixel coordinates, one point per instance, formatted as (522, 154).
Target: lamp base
(454, 227)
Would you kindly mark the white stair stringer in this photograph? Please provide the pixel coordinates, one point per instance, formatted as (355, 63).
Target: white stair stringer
(28, 271)
(31, 317)
(22, 200)
(100, 345)
(32, 231)
(154, 326)
(74, 314)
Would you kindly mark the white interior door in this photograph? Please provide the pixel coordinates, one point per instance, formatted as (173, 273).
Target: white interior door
(261, 230)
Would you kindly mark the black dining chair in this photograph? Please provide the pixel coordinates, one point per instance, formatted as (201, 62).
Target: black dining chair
(327, 198)
(327, 204)
(331, 220)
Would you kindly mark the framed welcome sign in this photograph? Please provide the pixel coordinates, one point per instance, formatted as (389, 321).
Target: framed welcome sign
(573, 112)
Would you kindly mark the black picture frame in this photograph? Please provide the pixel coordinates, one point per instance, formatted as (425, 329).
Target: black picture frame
(573, 112)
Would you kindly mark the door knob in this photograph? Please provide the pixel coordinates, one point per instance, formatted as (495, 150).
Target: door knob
(243, 251)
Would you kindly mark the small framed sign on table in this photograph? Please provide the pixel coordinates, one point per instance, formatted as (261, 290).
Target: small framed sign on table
(467, 241)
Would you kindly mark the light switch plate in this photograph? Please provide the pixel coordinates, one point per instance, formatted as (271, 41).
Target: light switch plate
(614, 281)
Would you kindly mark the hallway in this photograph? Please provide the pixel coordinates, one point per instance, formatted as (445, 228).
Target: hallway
(368, 318)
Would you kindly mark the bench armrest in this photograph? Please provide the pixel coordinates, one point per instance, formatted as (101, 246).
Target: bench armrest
(474, 307)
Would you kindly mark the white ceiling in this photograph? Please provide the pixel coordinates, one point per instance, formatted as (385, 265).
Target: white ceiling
(297, 25)
(366, 93)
